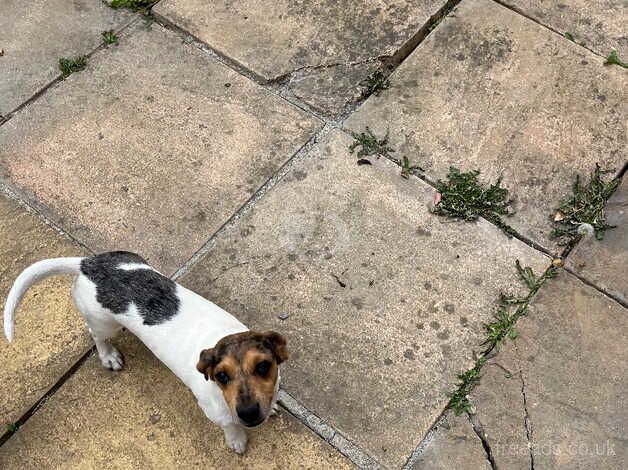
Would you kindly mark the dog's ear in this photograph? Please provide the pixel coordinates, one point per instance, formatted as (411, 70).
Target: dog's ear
(277, 344)
(206, 363)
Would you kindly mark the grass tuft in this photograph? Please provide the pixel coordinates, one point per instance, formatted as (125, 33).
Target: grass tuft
(375, 83)
(370, 145)
(69, 66)
(142, 6)
(613, 59)
(464, 197)
(109, 37)
(585, 207)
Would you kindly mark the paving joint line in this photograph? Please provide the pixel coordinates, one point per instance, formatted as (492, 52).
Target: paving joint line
(59, 78)
(326, 432)
(426, 441)
(597, 288)
(520, 12)
(478, 429)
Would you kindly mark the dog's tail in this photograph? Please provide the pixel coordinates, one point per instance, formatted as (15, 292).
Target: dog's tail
(32, 274)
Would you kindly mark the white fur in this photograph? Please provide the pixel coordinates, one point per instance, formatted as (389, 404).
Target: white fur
(177, 342)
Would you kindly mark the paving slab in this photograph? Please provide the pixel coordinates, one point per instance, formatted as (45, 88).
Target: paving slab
(603, 262)
(453, 445)
(151, 149)
(492, 90)
(143, 417)
(384, 301)
(332, 46)
(598, 24)
(36, 34)
(49, 334)
(571, 355)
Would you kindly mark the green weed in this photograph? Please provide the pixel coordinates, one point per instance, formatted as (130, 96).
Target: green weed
(375, 83)
(370, 145)
(109, 37)
(69, 66)
(613, 59)
(585, 206)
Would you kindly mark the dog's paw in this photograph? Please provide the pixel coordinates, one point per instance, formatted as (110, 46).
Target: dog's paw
(236, 440)
(112, 359)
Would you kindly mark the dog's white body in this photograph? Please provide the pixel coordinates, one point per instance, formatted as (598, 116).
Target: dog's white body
(199, 324)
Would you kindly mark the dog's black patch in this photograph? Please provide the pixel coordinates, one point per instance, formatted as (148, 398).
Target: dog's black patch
(154, 295)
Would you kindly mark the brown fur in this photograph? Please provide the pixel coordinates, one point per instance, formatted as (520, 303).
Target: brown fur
(237, 356)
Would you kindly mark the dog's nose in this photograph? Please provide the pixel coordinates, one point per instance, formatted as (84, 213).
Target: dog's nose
(249, 414)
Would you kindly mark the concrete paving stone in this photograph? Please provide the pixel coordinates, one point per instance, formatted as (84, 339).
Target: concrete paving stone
(599, 24)
(49, 334)
(453, 445)
(143, 417)
(604, 262)
(571, 354)
(151, 149)
(491, 90)
(385, 300)
(36, 34)
(317, 39)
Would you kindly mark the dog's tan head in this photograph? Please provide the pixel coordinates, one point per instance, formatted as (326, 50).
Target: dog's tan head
(245, 367)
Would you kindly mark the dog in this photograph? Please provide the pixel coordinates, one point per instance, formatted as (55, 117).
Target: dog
(233, 372)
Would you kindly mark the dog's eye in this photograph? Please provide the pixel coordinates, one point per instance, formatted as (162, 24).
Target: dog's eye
(262, 368)
(222, 378)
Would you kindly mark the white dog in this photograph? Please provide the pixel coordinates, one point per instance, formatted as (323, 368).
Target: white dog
(120, 290)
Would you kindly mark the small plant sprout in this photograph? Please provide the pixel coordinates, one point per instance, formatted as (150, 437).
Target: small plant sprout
(375, 83)
(69, 66)
(109, 37)
(370, 145)
(613, 59)
(583, 212)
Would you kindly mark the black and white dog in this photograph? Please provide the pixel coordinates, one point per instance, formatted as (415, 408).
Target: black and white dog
(195, 338)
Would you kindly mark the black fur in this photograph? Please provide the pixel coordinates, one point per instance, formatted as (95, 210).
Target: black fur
(154, 295)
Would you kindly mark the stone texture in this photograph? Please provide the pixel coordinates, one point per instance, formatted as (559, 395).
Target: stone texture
(604, 262)
(599, 24)
(36, 34)
(151, 149)
(453, 445)
(143, 417)
(491, 90)
(319, 38)
(385, 300)
(572, 357)
(49, 333)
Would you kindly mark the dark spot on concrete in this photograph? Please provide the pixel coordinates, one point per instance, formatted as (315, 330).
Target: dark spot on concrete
(291, 276)
(427, 285)
(530, 358)
(246, 231)
(154, 419)
(153, 295)
(423, 233)
(460, 56)
(300, 175)
(477, 281)
(100, 136)
(435, 325)
(446, 349)
(449, 308)
(427, 354)
(328, 255)
(293, 256)
(443, 335)
(357, 303)
(464, 321)
(387, 362)
(227, 85)
(409, 354)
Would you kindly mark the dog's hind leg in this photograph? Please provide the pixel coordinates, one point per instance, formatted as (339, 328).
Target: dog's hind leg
(102, 325)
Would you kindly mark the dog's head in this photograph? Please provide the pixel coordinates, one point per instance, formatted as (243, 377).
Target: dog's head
(245, 367)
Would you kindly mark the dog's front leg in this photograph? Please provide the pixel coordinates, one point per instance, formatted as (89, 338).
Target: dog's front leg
(236, 438)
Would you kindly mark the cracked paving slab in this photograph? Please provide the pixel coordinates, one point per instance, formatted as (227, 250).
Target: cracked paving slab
(143, 417)
(599, 24)
(571, 353)
(49, 334)
(275, 38)
(384, 301)
(454, 444)
(491, 90)
(604, 262)
(36, 34)
(151, 148)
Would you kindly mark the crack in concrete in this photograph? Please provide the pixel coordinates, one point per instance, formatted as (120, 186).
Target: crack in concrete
(479, 431)
(526, 418)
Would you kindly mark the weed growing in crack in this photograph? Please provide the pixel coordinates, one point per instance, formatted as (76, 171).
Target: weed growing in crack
(142, 6)
(109, 37)
(375, 83)
(463, 197)
(584, 208)
(69, 66)
(12, 428)
(613, 59)
(510, 309)
(370, 145)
